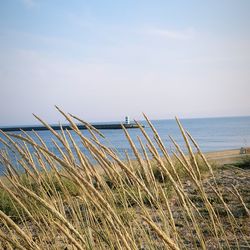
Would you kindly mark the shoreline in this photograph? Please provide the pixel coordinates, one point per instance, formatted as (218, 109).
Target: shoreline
(226, 156)
(220, 157)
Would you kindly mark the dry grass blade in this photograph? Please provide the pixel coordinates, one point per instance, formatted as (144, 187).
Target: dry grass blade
(68, 235)
(53, 211)
(11, 241)
(88, 125)
(193, 160)
(161, 234)
(241, 200)
(19, 231)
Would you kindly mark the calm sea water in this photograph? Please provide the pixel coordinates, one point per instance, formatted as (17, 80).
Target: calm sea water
(212, 134)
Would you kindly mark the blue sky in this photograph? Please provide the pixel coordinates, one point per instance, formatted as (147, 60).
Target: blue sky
(102, 60)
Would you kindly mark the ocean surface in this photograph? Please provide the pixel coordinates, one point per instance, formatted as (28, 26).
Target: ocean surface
(212, 134)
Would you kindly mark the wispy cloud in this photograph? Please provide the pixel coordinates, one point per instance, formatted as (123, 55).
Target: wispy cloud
(185, 34)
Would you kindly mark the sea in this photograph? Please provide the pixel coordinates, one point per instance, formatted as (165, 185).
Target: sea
(212, 134)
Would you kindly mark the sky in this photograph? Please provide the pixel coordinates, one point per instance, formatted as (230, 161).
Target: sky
(103, 60)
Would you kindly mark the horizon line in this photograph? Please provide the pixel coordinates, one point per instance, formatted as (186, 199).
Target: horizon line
(116, 121)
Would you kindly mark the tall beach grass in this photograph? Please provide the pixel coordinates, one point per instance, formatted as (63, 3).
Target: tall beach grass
(65, 202)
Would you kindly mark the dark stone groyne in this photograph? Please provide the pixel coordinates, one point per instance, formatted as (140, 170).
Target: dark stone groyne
(58, 127)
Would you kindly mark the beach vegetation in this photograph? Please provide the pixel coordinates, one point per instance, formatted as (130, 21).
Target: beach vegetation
(157, 200)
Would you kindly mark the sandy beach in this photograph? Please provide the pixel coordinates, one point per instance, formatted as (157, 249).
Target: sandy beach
(225, 156)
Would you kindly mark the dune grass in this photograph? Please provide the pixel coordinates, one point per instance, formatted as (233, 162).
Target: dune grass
(64, 202)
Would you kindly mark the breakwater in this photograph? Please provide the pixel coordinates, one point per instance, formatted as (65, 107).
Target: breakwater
(68, 127)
